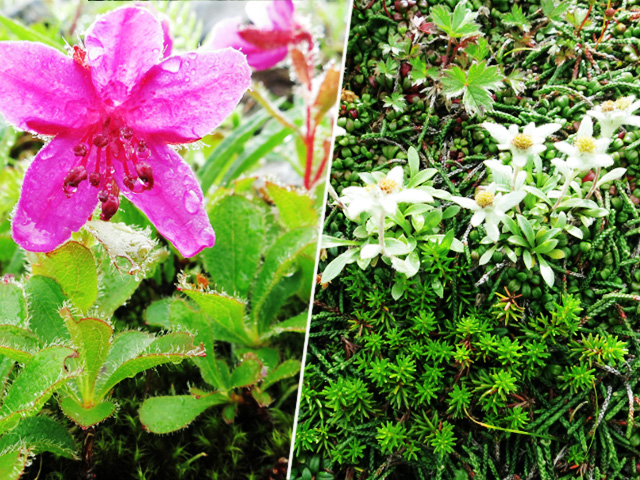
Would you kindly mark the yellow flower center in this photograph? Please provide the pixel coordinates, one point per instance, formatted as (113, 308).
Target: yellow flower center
(623, 103)
(484, 198)
(586, 144)
(387, 185)
(608, 106)
(522, 141)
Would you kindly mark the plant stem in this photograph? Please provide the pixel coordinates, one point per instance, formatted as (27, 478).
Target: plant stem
(565, 188)
(86, 470)
(595, 181)
(381, 233)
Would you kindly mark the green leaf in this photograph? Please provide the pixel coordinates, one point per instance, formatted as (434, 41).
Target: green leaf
(546, 271)
(39, 434)
(240, 229)
(479, 50)
(414, 161)
(555, 254)
(517, 18)
(33, 386)
(277, 280)
(476, 85)
(73, 267)
(527, 230)
(256, 149)
(337, 264)
(135, 354)
(554, 10)
(329, 242)
(294, 324)
(13, 305)
(295, 209)
(223, 156)
(396, 101)
(460, 23)
(546, 247)
(177, 314)
(44, 300)
(26, 33)
(86, 417)
(226, 316)
(18, 343)
(91, 337)
(528, 259)
(12, 464)
(286, 369)
(246, 374)
(518, 240)
(168, 414)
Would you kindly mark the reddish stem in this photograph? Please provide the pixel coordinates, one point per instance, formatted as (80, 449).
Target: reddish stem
(309, 141)
(384, 5)
(586, 17)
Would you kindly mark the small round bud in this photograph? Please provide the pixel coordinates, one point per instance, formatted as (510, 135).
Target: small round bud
(101, 140)
(80, 150)
(94, 179)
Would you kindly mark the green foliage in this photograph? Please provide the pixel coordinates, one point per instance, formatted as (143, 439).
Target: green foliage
(457, 24)
(475, 85)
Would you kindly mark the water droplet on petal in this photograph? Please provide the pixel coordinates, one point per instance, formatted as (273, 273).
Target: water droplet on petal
(207, 235)
(171, 64)
(191, 201)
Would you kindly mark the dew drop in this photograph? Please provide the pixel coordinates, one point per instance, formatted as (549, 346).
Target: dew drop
(172, 64)
(191, 201)
(207, 235)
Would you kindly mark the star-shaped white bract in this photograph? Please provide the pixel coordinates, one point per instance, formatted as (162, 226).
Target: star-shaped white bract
(612, 115)
(490, 207)
(587, 152)
(525, 146)
(382, 198)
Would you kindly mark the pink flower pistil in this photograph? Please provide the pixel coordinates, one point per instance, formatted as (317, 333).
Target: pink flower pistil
(114, 107)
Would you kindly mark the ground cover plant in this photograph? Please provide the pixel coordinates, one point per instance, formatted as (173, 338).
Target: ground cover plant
(146, 288)
(477, 308)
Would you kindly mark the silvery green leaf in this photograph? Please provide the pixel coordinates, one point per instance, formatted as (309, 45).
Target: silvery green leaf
(575, 231)
(337, 264)
(614, 174)
(329, 242)
(484, 259)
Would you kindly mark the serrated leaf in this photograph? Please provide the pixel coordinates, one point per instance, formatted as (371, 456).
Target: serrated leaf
(475, 85)
(17, 343)
(91, 338)
(278, 278)
(461, 23)
(554, 10)
(73, 267)
(171, 413)
(40, 377)
(12, 464)
(137, 356)
(177, 314)
(295, 209)
(286, 369)
(44, 299)
(248, 373)
(240, 230)
(517, 18)
(294, 324)
(39, 434)
(479, 50)
(395, 101)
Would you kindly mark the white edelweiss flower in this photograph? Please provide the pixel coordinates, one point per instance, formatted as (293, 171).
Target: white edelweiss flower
(490, 207)
(612, 115)
(586, 153)
(382, 198)
(524, 146)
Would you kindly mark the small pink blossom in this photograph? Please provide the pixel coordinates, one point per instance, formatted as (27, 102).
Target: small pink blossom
(266, 42)
(113, 108)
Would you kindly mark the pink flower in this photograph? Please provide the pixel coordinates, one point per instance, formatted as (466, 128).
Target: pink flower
(113, 109)
(266, 42)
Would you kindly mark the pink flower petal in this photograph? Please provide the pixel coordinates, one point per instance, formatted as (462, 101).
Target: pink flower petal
(45, 217)
(42, 90)
(121, 47)
(174, 204)
(225, 34)
(275, 14)
(186, 96)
